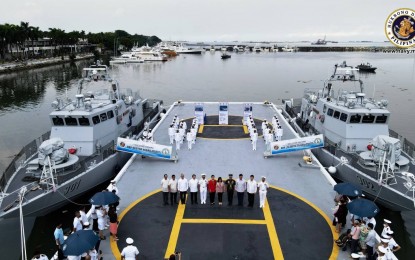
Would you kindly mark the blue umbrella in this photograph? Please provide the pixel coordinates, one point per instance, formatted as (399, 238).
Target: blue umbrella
(348, 189)
(80, 242)
(363, 208)
(104, 198)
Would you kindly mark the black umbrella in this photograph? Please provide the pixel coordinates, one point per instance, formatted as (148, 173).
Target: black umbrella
(348, 189)
(104, 198)
(80, 242)
(363, 208)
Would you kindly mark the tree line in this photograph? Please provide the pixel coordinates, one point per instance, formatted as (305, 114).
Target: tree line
(17, 41)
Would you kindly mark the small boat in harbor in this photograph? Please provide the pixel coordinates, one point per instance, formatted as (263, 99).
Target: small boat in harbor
(225, 56)
(257, 48)
(366, 67)
(181, 49)
(288, 48)
(126, 58)
(320, 41)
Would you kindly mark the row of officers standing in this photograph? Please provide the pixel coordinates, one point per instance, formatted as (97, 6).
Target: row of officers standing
(178, 132)
(269, 131)
(172, 187)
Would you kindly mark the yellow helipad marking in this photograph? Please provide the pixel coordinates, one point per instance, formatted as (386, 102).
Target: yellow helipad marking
(269, 222)
(114, 246)
(200, 129)
(223, 221)
(272, 232)
(245, 129)
(335, 249)
(174, 235)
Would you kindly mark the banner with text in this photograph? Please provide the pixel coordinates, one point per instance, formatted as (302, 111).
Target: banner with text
(144, 148)
(293, 145)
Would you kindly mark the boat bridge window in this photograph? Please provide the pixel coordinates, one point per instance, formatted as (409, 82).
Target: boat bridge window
(110, 114)
(368, 119)
(83, 121)
(330, 112)
(343, 117)
(103, 117)
(96, 120)
(355, 119)
(57, 121)
(71, 121)
(324, 109)
(381, 119)
(336, 114)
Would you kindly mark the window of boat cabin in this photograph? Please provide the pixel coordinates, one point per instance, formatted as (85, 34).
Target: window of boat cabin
(57, 121)
(110, 114)
(381, 119)
(83, 121)
(330, 112)
(368, 119)
(324, 109)
(95, 120)
(336, 114)
(343, 117)
(103, 117)
(355, 119)
(71, 121)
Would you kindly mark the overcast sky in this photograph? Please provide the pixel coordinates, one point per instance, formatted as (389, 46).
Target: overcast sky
(212, 20)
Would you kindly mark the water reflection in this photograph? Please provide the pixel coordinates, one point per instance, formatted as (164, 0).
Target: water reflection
(26, 89)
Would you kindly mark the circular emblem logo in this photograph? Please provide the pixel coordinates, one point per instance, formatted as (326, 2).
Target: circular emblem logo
(400, 27)
(122, 144)
(165, 151)
(317, 140)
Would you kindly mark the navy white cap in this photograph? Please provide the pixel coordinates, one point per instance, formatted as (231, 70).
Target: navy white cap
(387, 221)
(129, 240)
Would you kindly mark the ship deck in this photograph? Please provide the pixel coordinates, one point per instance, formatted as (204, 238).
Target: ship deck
(294, 224)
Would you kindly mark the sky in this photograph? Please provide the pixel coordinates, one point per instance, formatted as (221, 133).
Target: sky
(212, 20)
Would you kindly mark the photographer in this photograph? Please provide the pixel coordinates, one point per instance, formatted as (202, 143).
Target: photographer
(176, 256)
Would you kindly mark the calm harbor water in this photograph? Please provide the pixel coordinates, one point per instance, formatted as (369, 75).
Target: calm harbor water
(25, 97)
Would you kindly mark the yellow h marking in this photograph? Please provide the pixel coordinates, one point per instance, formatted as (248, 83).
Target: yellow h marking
(201, 129)
(272, 232)
(245, 129)
(174, 235)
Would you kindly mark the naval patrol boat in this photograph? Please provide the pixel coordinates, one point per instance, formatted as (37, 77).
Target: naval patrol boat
(78, 153)
(359, 146)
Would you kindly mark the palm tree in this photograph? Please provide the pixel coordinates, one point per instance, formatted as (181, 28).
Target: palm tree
(34, 34)
(23, 35)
